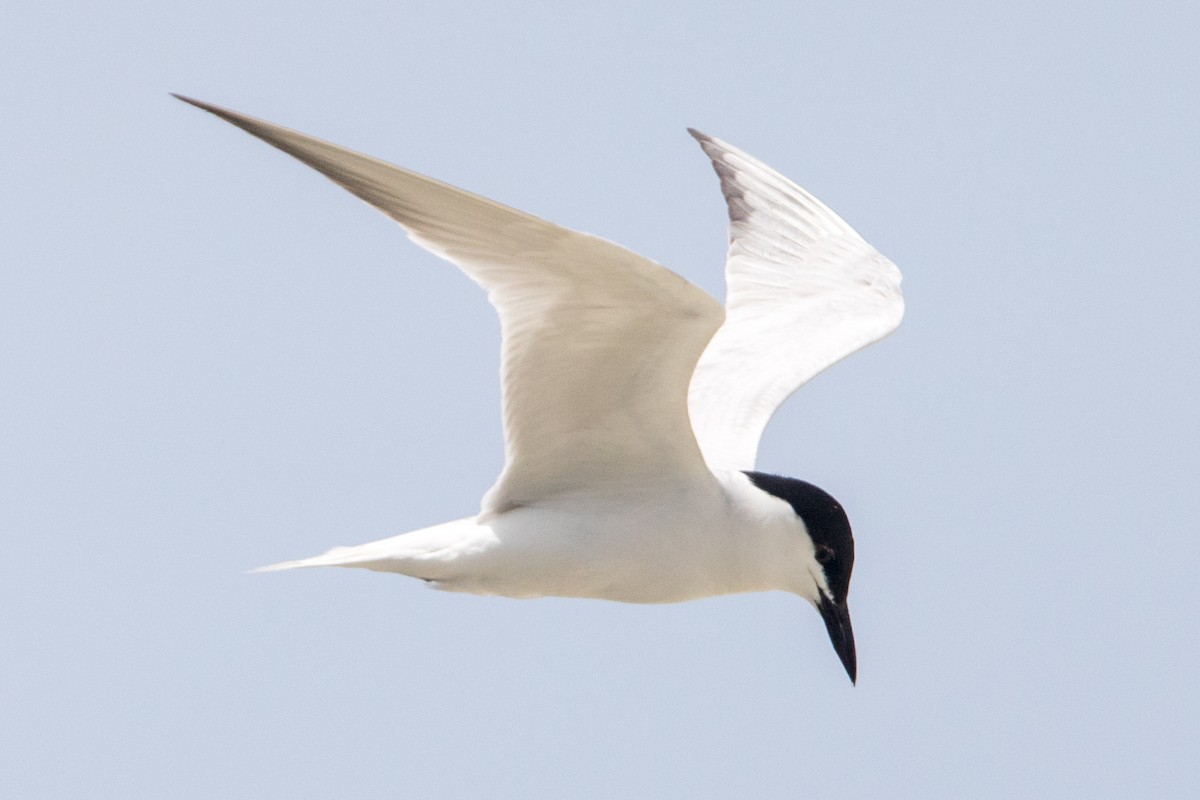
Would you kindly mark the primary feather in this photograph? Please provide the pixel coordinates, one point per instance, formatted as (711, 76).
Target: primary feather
(804, 291)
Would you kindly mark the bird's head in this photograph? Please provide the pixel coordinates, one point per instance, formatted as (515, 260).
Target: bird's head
(827, 557)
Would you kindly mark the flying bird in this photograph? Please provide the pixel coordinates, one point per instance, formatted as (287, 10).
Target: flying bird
(632, 402)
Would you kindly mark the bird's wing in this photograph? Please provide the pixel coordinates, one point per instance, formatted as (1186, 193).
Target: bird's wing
(599, 343)
(804, 290)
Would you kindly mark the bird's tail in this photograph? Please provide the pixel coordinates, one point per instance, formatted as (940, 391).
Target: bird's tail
(337, 557)
(426, 553)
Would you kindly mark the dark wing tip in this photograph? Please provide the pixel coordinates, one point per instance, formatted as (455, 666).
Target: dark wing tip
(707, 143)
(241, 120)
(190, 101)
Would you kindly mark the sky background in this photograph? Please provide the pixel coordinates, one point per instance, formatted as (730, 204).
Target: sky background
(211, 358)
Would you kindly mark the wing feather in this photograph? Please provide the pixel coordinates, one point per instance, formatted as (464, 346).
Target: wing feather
(598, 343)
(804, 291)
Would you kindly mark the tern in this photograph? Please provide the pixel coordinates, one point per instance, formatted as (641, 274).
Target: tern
(632, 402)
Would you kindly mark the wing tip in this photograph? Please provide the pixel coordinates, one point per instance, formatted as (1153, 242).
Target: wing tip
(711, 145)
(249, 124)
(191, 101)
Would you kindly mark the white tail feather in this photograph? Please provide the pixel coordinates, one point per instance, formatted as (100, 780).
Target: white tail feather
(361, 556)
(425, 553)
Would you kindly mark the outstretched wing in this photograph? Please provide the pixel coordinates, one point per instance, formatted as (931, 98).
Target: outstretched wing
(599, 343)
(804, 291)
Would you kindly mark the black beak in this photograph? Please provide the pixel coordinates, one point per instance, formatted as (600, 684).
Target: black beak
(837, 622)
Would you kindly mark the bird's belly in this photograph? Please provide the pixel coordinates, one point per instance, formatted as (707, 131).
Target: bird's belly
(647, 555)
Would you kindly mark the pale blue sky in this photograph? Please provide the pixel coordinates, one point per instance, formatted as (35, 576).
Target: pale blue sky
(211, 359)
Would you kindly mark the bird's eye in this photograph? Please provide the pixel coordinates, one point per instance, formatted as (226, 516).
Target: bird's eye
(824, 554)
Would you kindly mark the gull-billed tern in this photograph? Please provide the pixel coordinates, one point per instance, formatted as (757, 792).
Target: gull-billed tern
(632, 402)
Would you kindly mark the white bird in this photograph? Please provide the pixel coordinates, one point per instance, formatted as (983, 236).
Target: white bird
(632, 402)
